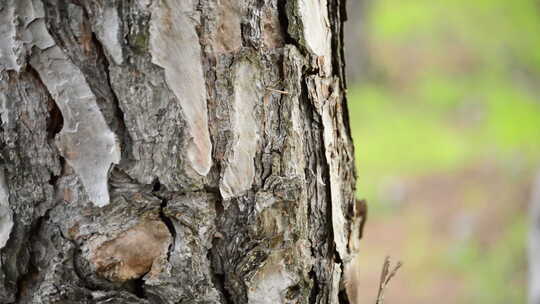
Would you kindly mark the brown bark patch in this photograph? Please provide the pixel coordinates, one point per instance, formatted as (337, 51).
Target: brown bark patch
(137, 251)
(229, 33)
(272, 31)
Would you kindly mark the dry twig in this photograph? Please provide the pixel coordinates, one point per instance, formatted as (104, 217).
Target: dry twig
(278, 91)
(386, 276)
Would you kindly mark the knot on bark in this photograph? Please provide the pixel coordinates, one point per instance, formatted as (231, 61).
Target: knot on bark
(136, 252)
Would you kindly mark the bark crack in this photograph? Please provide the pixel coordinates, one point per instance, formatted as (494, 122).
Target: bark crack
(25, 282)
(315, 290)
(138, 287)
(219, 278)
(121, 131)
(318, 277)
(284, 21)
(55, 119)
(164, 218)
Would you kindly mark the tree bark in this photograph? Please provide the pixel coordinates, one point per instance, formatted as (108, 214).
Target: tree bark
(174, 151)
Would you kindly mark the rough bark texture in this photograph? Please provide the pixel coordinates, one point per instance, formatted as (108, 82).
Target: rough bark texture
(167, 151)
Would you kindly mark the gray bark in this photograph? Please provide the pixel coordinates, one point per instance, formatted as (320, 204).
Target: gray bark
(167, 151)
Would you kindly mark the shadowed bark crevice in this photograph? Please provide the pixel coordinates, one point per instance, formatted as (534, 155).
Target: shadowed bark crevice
(138, 287)
(27, 280)
(24, 282)
(170, 226)
(323, 252)
(156, 188)
(342, 297)
(55, 120)
(219, 279)
(121, 131)
(315, 290)
(338, 9)
(284, 21)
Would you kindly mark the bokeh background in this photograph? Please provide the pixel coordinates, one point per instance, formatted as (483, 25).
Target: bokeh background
(444, 100)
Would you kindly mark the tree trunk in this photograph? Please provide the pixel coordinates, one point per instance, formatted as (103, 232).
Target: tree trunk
(174, 151)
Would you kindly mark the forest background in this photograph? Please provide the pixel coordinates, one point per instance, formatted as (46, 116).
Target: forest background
(444, 99)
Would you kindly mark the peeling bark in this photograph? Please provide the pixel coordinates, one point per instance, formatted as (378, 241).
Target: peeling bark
(6, 215)
(240, 168)
(159, 151)
(174, 47)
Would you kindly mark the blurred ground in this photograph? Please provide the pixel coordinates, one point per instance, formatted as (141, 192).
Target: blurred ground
(445, 114)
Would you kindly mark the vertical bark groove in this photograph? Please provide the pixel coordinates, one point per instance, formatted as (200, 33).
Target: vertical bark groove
(164, 218)
(120, 130)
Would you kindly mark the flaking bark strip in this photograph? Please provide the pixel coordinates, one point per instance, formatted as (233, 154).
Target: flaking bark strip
(21, 27)
(6, 215)
(310, 26)
(108, 31)
(336, 279)
(324, 94)
(174, 46)
(240, 169)
(294, 145)
(86, 142)
(9, 48)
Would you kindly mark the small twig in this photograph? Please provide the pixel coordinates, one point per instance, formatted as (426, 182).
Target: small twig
(386, 276)
(278, 91)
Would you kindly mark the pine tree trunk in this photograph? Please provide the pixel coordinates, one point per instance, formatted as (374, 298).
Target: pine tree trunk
(174, 151)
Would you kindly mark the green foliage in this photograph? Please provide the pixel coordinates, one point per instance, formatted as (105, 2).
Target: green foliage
(455, 84)
(448, 112)
(492, 275)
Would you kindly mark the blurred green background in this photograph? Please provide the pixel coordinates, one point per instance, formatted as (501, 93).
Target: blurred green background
(444, 100)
